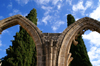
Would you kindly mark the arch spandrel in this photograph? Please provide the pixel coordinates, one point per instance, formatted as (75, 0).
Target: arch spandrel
(70, 34)
(33, 30)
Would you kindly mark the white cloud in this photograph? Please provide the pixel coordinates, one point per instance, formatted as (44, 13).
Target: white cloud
(59, 6)
(96, 13)
(55, 2)
(56, 25)
(69, 1)
(42, 1)
(25, 14)
(54, 28)
(88, 4)
(46, 18)
(94, 55)
(0, 43)
(53, 20)
(80, 7)
(66, 15)
(93, 37)
(51, 14)
(45, 2)
(96, 63)
(1, 17)
(46, 8)
(76, 19)
(5, 31)
(39, 23)
(87, 14)
(21, 2)
(61, 0)
(16, 11)
(94, 52)
(10, 5)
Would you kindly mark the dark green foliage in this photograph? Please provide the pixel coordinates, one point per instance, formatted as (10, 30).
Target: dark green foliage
(32, 16)
(23, 50)
(70, 19)
(79, 52)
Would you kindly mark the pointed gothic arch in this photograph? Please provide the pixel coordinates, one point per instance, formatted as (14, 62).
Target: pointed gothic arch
(52, 49)
(70, 35)
(33, 31)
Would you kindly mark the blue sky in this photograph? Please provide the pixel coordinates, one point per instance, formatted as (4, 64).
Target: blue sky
(52, 16)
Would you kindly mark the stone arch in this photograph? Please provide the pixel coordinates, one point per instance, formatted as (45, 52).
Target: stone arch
(70, 34)
(33, 30)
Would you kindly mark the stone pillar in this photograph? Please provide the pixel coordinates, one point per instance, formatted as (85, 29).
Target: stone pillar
(51, 53)
(50, 41)
(47, 57)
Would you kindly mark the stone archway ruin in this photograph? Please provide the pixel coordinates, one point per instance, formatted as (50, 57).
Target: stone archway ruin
(34, 32)
(52, 48)
(70, 35)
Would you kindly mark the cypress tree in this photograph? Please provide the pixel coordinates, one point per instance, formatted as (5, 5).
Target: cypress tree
(79, 52)
(70, 19)
(23, 50)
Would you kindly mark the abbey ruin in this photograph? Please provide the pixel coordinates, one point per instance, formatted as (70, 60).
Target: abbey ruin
(53, 49)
